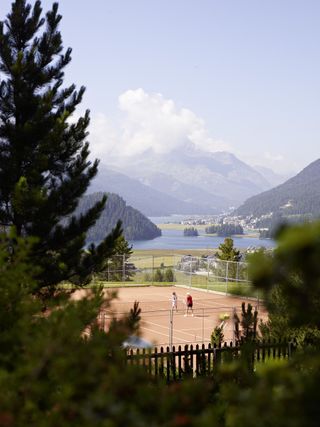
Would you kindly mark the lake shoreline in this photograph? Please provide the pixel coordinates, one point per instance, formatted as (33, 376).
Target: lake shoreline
(174, 240)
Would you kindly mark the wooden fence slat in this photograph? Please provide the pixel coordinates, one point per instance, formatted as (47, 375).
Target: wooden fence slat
(161, 362)
(156, 371)
(168, 364)
(209, 359)
(173, 363)
(177, 363)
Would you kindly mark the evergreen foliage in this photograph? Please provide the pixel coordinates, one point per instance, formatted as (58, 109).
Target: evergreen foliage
(299, 195)
(217, 336)
(273, 223)
(117, 268)
(292, 286)
(44, 166)
(158, 276)
(163, 275)
(190, 231)
(227, 252)
(224, 230)
(54, 373)
(135, 225)
(211, 229)
(248, 323)
(169, 275)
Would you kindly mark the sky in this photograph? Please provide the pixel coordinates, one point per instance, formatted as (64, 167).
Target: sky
(235, 75)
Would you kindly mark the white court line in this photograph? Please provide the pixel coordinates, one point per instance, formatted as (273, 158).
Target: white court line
(174, 330)
(210, 305)
(174, 338)
(166, 335)
(154, 331)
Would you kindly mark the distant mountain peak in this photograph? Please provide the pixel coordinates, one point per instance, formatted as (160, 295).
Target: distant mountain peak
(187, 180)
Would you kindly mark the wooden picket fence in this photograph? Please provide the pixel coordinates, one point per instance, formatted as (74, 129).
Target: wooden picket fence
(196, 361)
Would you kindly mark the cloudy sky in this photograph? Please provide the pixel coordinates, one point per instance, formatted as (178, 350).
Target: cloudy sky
(236, 75)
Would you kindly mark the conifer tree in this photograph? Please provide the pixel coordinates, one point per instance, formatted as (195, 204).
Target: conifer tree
(44, 164)
(227, 252)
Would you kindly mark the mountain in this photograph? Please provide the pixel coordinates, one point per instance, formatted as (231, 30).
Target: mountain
(221, 175)
(135, 225)
(211, 181)
(272, 177)
(299, 195)
(147, 198)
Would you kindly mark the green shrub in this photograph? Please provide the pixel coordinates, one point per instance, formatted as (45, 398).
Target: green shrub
(169, 275)
(158, 276)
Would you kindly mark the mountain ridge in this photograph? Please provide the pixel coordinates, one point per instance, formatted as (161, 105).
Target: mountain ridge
(145, 198)
(299, 195)
(136, 226)
(184, 181)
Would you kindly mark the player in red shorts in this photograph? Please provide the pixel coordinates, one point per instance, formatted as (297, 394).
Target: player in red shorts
(189, 304)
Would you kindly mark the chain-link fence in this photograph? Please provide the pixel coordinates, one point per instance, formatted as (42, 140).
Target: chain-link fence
(207, 273)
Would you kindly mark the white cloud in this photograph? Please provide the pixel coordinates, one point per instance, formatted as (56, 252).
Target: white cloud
(149, 122)
(103, 136)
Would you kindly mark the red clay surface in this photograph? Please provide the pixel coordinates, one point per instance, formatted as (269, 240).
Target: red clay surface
(155, 303)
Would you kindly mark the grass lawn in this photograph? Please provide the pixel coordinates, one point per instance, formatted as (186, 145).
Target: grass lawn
(149, 261)
(170, 252)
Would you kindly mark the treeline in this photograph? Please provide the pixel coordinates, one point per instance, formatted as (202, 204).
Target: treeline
(268, 227)
(190, 231)
(136, 226)
(224, 230)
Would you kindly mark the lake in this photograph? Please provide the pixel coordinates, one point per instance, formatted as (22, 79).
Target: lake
(174, 239)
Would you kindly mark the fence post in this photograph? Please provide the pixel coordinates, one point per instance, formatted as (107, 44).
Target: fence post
(123, 268)
(171, 328)
(203, 326)
(227, 276)
(237, 273)
(208, 275)
(152, 269)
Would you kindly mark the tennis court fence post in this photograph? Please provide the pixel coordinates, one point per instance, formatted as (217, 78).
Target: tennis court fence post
(227, 276)
(202, 325)
(123, 268)
(171, 328)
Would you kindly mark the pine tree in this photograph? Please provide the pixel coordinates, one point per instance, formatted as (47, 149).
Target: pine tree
(227, 252)
(44, 165)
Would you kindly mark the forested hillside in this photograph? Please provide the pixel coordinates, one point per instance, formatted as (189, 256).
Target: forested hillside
(136, 226)
(299, 195)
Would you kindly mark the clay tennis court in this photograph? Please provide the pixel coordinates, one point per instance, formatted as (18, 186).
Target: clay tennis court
(155, 304)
